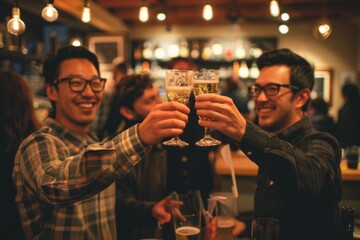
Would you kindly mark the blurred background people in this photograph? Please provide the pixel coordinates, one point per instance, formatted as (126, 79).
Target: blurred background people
(348, 127)
(18, 120)
(240, 98)
(168, 169)
(145, 184)
(318, 111)
(120, 70)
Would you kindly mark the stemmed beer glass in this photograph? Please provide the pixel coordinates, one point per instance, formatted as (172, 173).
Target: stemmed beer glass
(206, 81)
(178, 87)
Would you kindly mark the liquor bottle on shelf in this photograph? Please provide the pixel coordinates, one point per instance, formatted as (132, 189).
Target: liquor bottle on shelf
(347, 223)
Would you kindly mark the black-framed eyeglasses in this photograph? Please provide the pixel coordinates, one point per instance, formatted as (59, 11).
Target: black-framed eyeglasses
(78, 84)
(270, 89)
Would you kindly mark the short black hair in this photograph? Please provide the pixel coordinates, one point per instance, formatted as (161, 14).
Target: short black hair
(301, 71)
(52, 63)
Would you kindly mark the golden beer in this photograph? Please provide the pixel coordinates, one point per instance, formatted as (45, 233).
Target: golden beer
(187, 233)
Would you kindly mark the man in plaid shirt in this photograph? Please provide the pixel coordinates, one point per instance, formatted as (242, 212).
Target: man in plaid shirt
(64, 177)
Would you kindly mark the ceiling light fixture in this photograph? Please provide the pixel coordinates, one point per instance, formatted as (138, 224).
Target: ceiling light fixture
(323, 28)
(274, 8)
(15, 25)
(244, 70)
(207, 12)
(49, 13)
(144, 13)
(283, 29)
(161, 16)
(285, 17)
(86, 12)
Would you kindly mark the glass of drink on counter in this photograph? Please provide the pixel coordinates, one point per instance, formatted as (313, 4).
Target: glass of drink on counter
(187, 217)
(206, 81)
(352, 156)
(224, 211)
(178, 87)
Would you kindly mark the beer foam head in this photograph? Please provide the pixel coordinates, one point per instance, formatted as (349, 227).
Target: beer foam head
(187, 230)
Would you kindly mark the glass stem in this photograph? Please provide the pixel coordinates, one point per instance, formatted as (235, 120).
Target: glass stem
(207, 133)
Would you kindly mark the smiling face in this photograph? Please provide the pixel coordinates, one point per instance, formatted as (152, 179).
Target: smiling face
(276, 113)
(75, 111)
(143, 105)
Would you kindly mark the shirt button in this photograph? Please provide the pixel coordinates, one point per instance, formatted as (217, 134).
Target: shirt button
(134, 158)
(184, 159)
(184, 173)
(271, 183)
(249, 153)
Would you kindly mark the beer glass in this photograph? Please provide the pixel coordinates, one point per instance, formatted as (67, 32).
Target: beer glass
(206, 81)
(224, 211)
(187, 217)
(178, 88)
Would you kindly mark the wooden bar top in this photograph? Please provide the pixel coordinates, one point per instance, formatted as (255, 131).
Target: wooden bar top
(243, 166)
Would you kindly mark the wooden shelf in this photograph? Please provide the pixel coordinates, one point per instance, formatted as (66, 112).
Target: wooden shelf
(243, 166)
(19, 57)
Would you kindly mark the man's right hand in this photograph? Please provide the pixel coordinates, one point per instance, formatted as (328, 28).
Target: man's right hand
(165, 120)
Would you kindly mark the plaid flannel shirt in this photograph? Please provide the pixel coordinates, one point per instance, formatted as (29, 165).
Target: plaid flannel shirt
(65, 183)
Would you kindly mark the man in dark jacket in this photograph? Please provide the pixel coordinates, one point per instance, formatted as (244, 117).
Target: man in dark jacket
(299, 181)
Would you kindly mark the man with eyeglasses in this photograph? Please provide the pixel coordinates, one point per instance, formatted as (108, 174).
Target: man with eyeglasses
(299, 180)
(65, 178)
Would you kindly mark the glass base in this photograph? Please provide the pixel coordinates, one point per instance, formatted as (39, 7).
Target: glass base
(175, 143)
(207, 141)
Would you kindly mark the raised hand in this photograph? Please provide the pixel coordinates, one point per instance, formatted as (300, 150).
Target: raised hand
(165, 120)
(220, 113)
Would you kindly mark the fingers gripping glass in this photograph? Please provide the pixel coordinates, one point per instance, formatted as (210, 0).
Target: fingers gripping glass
(270, 89)
(78, 84)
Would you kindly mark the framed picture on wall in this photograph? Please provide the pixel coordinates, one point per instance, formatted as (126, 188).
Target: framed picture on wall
(108, 48)
(323, 85)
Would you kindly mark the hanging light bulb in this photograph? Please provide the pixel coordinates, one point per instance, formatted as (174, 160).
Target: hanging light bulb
(283, 29)
(76, 42)
(49, 13)
(144, 13)
(244, 70)
(207, 12)
(161, 16)
(15, 25)
(86, 13)
(285, 17)
(322, 29)
(254, 70)
(274, 8)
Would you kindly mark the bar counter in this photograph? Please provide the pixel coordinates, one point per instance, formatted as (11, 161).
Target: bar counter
(243, 166)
